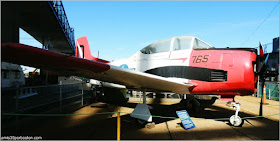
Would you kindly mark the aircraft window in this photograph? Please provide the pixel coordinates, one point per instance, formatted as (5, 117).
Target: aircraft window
(200, 45)
(181, 43)
(158, 47)
(17, 74)
(5, 74)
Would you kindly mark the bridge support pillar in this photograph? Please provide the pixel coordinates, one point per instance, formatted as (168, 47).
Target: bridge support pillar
(10, 21)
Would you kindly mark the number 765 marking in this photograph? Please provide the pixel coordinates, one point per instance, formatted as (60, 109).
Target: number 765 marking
(200, 58)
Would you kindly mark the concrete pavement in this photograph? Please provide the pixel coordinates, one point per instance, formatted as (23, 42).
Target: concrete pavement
(104, 126)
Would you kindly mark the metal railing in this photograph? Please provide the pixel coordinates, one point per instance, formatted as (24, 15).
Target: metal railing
(60, 14)
(272, 91)
(21, 99)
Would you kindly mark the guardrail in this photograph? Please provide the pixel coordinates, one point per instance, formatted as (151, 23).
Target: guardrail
(21, 99)
(272, 91)
(60, 14)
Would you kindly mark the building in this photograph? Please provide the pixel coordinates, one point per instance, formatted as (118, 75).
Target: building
(11, 75)
(273, 60)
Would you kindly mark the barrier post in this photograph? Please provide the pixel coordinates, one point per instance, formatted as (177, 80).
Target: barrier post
(17, 107)
(17, 98)
(258, 86)
(269, 94)
(82, 93)
(119, 127)
(264, 95)
(60, 96)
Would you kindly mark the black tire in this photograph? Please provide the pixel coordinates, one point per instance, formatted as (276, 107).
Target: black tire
(141, 122)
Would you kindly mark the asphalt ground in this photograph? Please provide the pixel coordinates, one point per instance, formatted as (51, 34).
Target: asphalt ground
(210, 123)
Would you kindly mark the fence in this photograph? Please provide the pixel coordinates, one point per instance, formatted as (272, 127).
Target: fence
(21, 99)
(272, 91)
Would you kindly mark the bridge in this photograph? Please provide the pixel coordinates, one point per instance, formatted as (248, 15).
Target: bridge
(46, 21)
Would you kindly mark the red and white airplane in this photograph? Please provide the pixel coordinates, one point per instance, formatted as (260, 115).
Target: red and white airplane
(182, 65)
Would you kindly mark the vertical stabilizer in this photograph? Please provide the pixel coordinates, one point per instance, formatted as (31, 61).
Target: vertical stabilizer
(83, 50)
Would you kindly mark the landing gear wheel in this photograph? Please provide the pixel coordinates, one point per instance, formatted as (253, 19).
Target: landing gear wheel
(236, 121)
(141, 122)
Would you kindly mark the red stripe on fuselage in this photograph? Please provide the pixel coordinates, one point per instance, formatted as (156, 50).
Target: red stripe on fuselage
(40, 58)
(237, 63)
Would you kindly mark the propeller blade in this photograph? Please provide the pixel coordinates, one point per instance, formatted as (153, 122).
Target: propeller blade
(261, 65)
(261, 50)
(261, 61)
(266, 59)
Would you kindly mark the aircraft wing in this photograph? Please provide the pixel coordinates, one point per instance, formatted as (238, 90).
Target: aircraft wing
(71, 65)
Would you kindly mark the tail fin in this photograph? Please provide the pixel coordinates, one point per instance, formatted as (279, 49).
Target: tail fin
(83, 50)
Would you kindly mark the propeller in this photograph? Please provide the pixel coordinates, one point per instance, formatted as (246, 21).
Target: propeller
(263, 73)
(260, 67)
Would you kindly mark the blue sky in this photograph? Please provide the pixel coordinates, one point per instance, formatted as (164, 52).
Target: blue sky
(118, 29)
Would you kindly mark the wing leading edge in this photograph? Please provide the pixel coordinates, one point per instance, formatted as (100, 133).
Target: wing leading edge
(71, 65)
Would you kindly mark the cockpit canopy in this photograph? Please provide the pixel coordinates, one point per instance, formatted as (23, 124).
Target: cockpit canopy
(174, 44)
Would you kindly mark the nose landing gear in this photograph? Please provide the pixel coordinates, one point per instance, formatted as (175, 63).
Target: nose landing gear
(235, 120)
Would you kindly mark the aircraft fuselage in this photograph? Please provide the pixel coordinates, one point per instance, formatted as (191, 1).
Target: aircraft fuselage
(221, 71)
